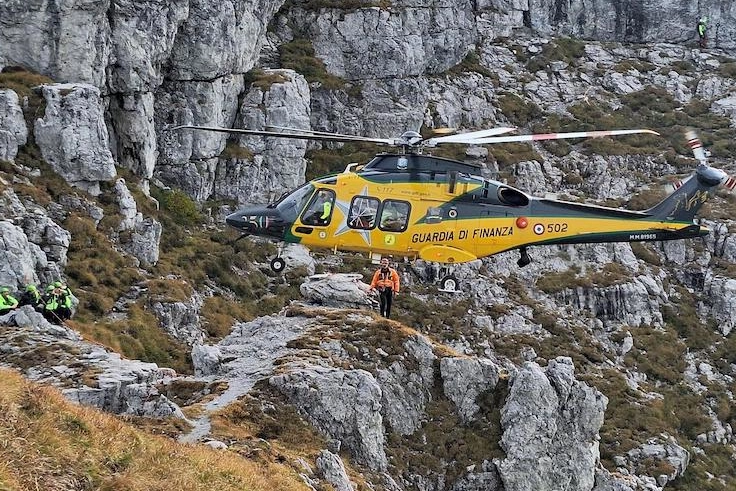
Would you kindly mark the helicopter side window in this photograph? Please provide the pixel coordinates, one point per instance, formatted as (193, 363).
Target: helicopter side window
(434, 215)
(363, 212)
(319, 211)
(394, 216)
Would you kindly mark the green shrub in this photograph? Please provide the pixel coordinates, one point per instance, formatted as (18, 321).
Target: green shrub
(22, 81)
(299, 56)
(562, 49)
(728, 70)
(659, 354)
(327, 161)
(471, 63)
(507, 154)
(182, 209)
(518, 111)
(644, 252)
(631, 64)
(555, 282)
(611, 274)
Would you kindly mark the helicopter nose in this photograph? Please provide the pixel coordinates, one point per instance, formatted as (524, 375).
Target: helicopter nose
(240, 220)
(257, 221)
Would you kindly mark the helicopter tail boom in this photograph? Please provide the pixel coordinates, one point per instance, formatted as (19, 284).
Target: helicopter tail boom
(686, 200)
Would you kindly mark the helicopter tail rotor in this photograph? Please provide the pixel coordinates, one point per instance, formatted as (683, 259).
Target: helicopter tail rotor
(696, 146)
(699, 152)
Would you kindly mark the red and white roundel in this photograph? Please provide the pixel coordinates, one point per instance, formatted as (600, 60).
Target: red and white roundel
(539, 229)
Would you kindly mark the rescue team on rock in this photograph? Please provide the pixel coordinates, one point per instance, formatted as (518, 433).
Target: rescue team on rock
(55, 303)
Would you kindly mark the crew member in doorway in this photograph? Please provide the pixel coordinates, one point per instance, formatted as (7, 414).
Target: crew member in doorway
(386, 281)
(319, 212)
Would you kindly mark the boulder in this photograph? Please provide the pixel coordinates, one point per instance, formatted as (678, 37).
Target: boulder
(337, 290)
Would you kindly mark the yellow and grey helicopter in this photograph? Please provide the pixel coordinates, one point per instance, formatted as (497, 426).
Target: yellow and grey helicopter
(415, 205)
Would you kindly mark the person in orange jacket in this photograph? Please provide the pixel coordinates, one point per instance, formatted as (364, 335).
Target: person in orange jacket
(386, 281)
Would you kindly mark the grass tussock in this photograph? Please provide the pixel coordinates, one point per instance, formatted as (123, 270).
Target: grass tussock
(265, 79)
(138, 337)
(265, 415)
(219, 314)
(51, 444)
(471, 63)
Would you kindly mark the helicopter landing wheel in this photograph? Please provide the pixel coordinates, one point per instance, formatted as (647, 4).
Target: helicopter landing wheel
(449, 284)
(278, 264)
(524, 258)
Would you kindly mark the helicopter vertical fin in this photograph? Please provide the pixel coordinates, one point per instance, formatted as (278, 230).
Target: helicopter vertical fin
(689, 195)
(683, 203)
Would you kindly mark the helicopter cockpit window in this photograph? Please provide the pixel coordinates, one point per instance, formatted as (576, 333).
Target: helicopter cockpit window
(319, 211)
(394, 216)
(362, 213)
(294, 201)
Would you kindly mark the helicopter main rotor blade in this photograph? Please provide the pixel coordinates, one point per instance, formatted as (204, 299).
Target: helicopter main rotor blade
(559, 136)
(469, 137)
(305, 135)
(325, 133)
(695, 145)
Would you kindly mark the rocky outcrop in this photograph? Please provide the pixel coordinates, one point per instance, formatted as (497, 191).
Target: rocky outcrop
(332, 470)
(73, 137)
(664, 451)
(550, 427)
(464, 379)
(374, 43)
(67, 41)
(635, 303)
(485, 480)
(87, 373)
(138, 236)
(721, 295)
(406, 386)
(181, 319)
(343, 404)
(13, 131)
(33, 248)
(19, 258)
(640, 22)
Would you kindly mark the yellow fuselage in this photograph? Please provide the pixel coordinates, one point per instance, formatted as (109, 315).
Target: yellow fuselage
(469, 230)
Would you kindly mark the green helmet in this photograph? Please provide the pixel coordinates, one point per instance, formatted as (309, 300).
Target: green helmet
(50, 288)
(31, 288)
(57, 284)
(4, 289)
